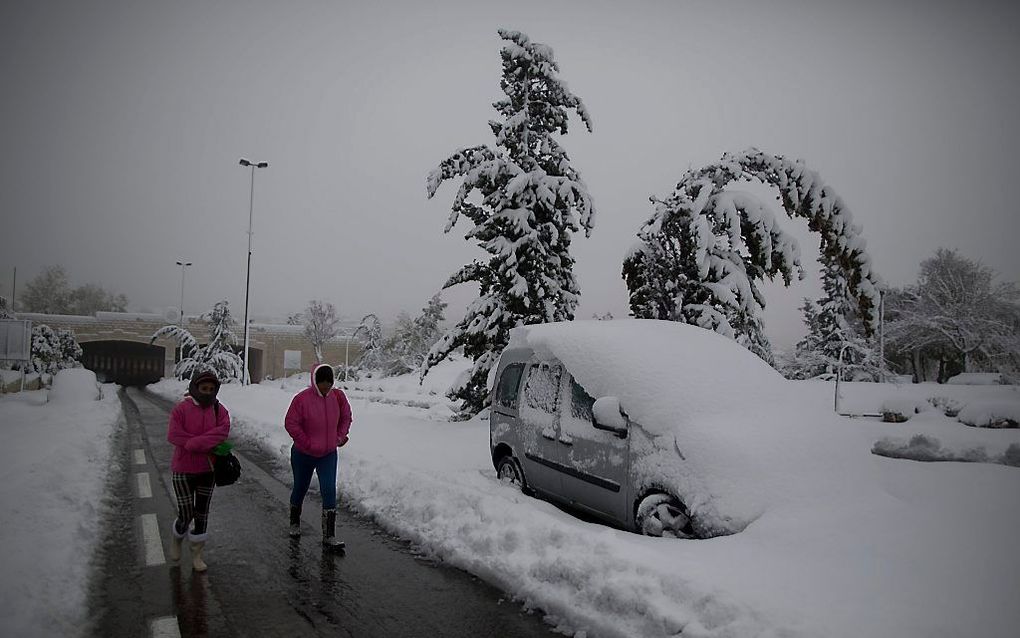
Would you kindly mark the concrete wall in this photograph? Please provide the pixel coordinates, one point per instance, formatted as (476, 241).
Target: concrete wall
(267, 342)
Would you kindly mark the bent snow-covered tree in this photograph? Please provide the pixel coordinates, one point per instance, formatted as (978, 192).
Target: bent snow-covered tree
(217, 355)
(706, 249)
(524, 200)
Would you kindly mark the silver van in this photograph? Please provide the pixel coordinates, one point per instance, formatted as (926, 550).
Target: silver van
(550, 437)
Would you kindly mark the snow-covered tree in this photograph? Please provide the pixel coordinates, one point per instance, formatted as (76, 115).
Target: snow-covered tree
(217, 355)
(833, 328)
(707, 248)
(412, 339)
(53, 350)
(372, 353)
(958, 309)
(49, 292)
(524, 201)
(5, 309)
(321, 324)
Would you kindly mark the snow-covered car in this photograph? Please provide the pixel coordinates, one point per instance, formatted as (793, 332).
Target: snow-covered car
(654, 426)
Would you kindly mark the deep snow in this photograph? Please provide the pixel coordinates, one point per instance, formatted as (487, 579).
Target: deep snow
(921, 549)
(53, 465)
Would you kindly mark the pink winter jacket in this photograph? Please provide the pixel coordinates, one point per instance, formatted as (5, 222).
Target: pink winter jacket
(195, 431)
(316, 422)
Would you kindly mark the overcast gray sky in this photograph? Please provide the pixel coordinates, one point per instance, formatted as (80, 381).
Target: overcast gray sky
(123, 123)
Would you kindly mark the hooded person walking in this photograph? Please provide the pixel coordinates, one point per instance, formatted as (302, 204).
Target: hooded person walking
(319, 419)
(197, 425)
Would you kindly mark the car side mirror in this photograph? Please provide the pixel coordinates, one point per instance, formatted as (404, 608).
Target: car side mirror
(607, 415)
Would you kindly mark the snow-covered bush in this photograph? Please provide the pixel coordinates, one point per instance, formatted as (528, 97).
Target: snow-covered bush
(409, 345)
(217, 355)
(991, 414)
(975, 378)
(75, 384)
(948, 406)
(53, 350)
(1012, 455)
(898, 410)
(923, 447)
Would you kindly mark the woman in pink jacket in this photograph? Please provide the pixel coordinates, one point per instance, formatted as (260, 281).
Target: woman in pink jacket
(197, 425)
(318, 420)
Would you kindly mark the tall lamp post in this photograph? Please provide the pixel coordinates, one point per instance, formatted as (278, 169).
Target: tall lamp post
(245, 376)
(183, 265)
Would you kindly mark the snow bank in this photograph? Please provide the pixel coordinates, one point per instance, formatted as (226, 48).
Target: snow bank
(54, 462)
(975, 378)
(998, 414)
(75, 385)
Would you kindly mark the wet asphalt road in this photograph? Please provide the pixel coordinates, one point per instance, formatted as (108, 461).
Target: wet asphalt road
(260, 581)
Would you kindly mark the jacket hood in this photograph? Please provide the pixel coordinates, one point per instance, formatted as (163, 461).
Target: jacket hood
(202, 377)
(315, 369)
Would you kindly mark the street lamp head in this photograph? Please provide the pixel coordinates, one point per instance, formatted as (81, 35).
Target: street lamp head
(244, 162)
(262, 165)
(184, 263)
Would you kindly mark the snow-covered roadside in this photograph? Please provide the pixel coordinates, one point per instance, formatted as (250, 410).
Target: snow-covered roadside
(931, 553)
(53, 468)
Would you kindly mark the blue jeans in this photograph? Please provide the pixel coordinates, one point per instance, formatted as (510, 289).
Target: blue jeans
(324, 467)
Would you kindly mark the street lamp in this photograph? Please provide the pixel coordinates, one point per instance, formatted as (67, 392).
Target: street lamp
(245, 376)
(183, 265)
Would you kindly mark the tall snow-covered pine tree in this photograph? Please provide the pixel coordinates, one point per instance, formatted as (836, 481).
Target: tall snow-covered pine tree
(525, 201)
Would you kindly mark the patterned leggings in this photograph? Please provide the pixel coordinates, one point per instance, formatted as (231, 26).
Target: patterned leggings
(194, 494)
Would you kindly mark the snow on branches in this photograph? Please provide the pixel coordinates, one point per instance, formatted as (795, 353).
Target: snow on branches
(524, 200)
(217, 355)
(706, 249)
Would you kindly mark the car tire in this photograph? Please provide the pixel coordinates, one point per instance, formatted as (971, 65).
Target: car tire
(508, 470)
(663, 515)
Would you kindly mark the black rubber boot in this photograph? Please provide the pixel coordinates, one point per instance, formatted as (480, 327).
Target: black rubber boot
(295, 521)
(329, 539)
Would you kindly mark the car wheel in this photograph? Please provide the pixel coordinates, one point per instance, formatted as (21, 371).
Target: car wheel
(663, 515)
(509, 471)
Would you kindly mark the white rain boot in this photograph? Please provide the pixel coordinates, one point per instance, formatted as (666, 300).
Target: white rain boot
(197, 547)
(175, 543)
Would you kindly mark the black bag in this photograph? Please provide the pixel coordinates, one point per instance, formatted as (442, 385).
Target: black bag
(226, 469)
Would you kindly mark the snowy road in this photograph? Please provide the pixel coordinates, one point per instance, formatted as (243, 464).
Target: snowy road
(260, 582)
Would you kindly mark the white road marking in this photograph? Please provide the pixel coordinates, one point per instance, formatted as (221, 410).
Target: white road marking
(144, 487)
(165, 627)
(139, 457)
(150, 538)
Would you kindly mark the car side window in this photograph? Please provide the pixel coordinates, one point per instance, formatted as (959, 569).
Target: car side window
(580, 402)
(509, 385)
(542, 387)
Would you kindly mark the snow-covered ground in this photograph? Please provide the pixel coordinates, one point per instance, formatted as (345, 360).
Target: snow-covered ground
(53, 466)
(921, 549)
